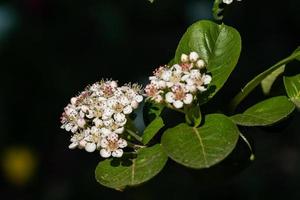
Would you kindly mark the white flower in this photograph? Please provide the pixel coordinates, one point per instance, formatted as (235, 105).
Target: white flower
(107, 113)
(195, 74)
(82, 144)
(166, 75)
(108, 122)
(134, 104)
(119, 130)
(105, 132)
(100, 112)
(202, 88)
(207, 79)
(73, 145)
(138, 98)
(179, 84)
(98, 122)
(90, 115)
(95, 130)
(191, 88)
(113, 84)
(81, 122)
(127, 110)
(193, 56)
(227, 1)
(73, 100)
(90, 147)
(124, 100)
(112, 146)
(188, 99)
(119, 117)
(170, 97)
(178, 104)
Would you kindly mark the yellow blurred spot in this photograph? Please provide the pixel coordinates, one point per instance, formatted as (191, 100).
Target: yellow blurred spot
(19, 164)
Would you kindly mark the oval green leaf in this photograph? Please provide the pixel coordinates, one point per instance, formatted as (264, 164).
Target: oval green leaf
(218, 45)
(292, 87)
(129, 171)
(201, 147)
(265, 113)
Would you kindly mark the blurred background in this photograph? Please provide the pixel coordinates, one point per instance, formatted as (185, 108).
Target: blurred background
(51, 49)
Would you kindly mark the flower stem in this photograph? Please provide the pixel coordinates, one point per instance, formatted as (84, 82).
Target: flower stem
(135, 146)
(134, 135)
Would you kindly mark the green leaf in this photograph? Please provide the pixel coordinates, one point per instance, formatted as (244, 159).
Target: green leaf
(151, 110)
(217, 10)
(119, 173)
(193, 115)
(201, 147)
(265, 113)
(267, 83)
(292, 87)
(251, 85)
(218, 45)
(152, 129)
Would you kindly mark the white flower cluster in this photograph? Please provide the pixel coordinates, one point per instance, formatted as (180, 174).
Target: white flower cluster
(98, 115)
(179, 84)
(229, 1)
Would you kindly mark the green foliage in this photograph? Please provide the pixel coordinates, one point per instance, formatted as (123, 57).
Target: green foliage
(251, 85)
(193, 115)
(266, 112)
(131, 170)
(151, 110)
(267, 83)
(217, 10)
(292, 87)
(152, 129)
(199, 143)
(218, 45)
(201, 147)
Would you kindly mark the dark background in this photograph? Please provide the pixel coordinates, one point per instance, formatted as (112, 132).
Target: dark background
(51, 49)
